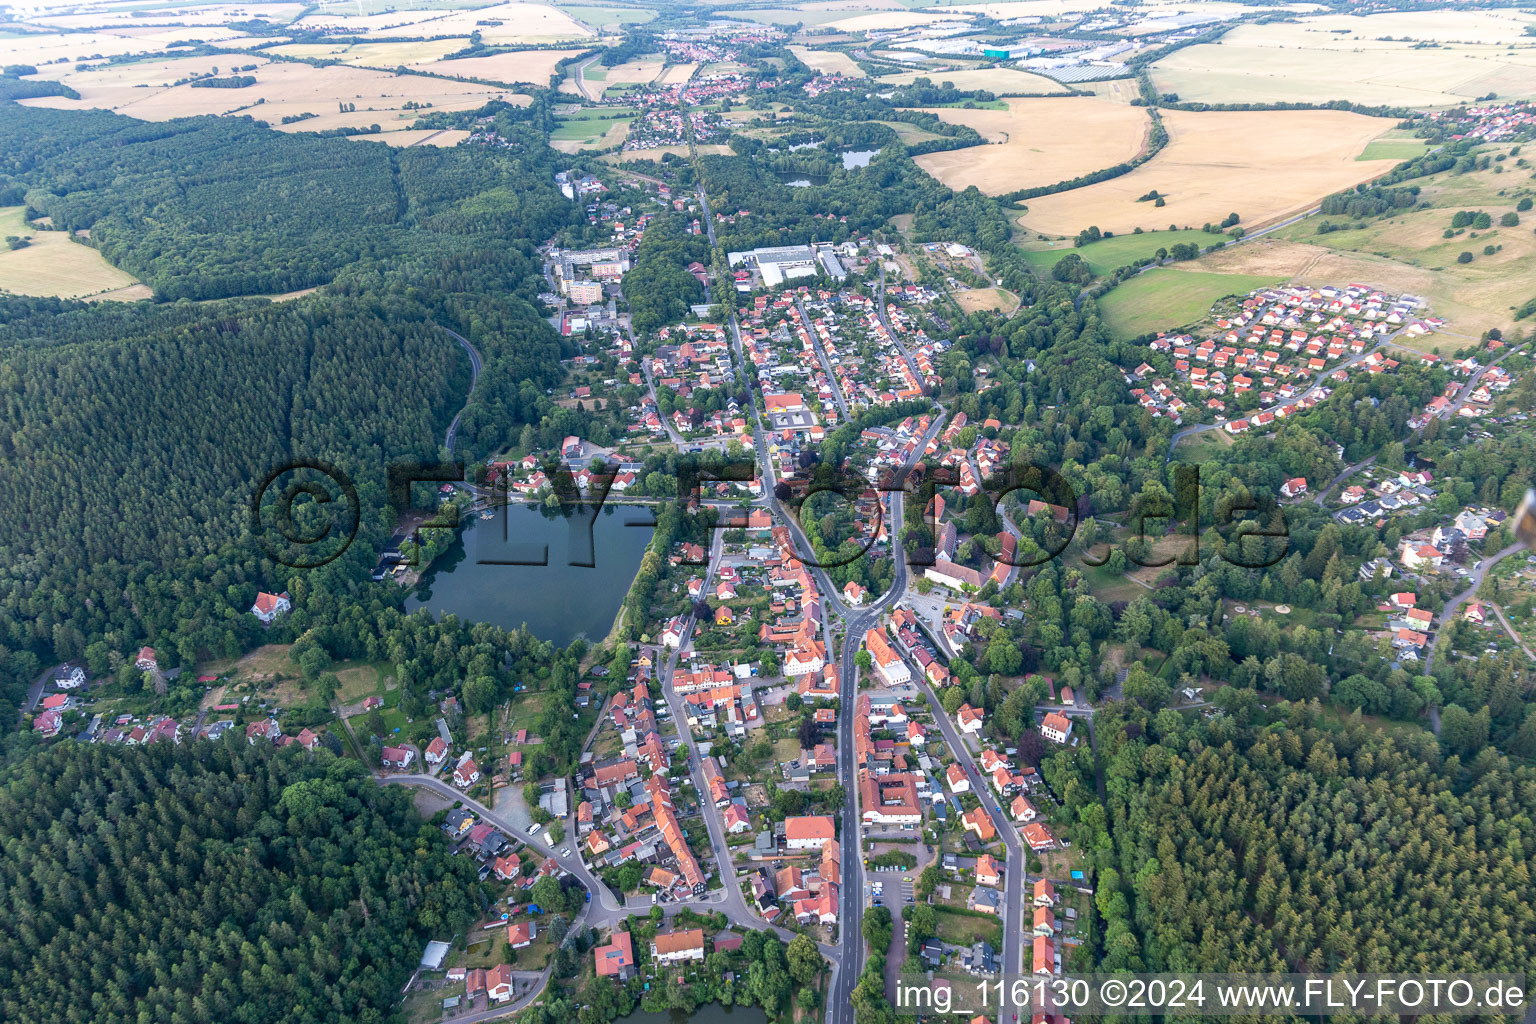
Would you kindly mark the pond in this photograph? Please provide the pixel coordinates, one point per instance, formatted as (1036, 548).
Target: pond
(858, 158)
(800, 179)
(713, 1013)
(480, 579)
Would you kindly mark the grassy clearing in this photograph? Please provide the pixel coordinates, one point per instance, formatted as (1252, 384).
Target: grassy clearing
(1165, 298)
(1105, 256)
(963, 929)
(1393, 149)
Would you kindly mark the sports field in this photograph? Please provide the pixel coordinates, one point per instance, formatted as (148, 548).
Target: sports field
(1038, 142)
(55, 265)
(828, 62)
(1261, 165)
(1165, 298)
(1431, 59)
(987, 298)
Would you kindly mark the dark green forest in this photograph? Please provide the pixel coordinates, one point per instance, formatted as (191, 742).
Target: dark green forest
(215, 881)
(1279, 845)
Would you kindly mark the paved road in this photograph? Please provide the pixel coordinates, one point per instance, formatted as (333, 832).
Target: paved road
(1323, 492)
(1014, 879)
(1510, 629)
(650, 382)
(1473, 582)
(475, 366)
(1318, 383)
(581, 82)
(821, 354)
(886, 323)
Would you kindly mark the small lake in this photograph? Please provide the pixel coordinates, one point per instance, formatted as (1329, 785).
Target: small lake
(799, 179)
(713, 1013)
(858, 158)
(479, 578)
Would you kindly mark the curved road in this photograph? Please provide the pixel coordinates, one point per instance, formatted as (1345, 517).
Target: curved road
(1473, 582)
(475, 365)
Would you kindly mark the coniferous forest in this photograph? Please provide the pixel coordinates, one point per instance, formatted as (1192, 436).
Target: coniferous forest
(215, 881)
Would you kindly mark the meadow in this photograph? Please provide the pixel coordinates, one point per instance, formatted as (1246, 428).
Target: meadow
(1105, 256)
(1168, 297)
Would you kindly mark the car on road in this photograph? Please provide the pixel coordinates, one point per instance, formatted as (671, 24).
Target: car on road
(566, 852)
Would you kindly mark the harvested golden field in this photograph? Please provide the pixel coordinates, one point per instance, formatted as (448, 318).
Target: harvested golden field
(532, 66)
(828, 62)
(54, 264)
(677, 74)
(1001, 81)
(1262, 165)
(1446, 58)
(407, 137)
(600, 79)
(894, 20)
(129, 16)
(1063, 8)
(288, 90)
(376, 55)
(41, 49)
(1038, 142)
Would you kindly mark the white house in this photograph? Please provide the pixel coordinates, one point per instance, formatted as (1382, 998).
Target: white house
(269, 606)
(1056, 727)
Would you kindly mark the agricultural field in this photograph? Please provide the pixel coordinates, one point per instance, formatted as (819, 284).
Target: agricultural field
(531, 66)
(601, 79)
(40, 49)
(1432, 59)
(1003, 81)
(1393, 147)
(376, 55)
(895, 20)
(408, 137)
(139, 16)
(1221, 162)
(1038, 142)
(577, 133)
(1169, 297)
(608, 17)
(828, 62)
(1105, 256)
(509, 23)
(55, 265)
(288, 90)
